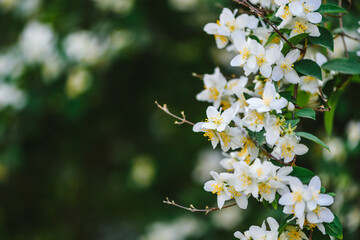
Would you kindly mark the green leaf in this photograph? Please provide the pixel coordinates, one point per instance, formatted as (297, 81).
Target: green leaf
(247, 96)
(271, 38)
(285, 222)
(255, 38)
(304, 174)
(306, 113)
(293, 122)
(331, 8)
(334, 228)
(302, 98)
(343, 65)
(308, 67)
(317, 235)
(322, 189)
(294, 40)
(329, 116)
(331, 194)
(287, 95)
(312, 138)
(274, 204)
(325, 39)
(259, 137)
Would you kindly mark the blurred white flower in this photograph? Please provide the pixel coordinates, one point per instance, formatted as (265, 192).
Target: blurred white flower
(11, 96)
(353, 219)
(11, 64)
(208, 160)
(117, 6)
(184, 5)
(85, 47)
(180, 229)
(227, 218)
(142, 172)
(21, 7)
(353, 133)
(351, 45)
(78, 82)
(37, 42)
(337, 150)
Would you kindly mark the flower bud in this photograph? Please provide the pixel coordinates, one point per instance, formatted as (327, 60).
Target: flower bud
(291, 107)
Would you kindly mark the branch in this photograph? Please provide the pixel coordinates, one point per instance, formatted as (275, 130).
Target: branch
(166, 110)
(260, 13)
(193, 209)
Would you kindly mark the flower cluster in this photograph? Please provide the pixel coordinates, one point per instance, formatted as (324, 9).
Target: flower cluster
(253, 119)
(261, 180)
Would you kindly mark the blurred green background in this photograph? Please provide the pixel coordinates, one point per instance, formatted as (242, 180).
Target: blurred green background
(85, 153)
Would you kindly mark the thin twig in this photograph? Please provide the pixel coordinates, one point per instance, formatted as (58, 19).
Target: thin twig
(321, 108)
(261, 14)
(166, 110)
(348, 36)
(342, 34)
(311, 233)
(193, 209)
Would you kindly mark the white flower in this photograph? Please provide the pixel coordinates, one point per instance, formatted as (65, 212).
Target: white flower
(252, 56)
(240, 198)
(254, 120)
(300, 25)
(217, 120)
(246, 180)
(285, 67)
(229, 138)
(270, 100)
(273, 128)
(309, 84)
(306, 10)
(214, 86)
(293, 233)
(284, 12)
(237, 85)
(217, 186)
(228, 25)
(261, 233)
(296, 199)
(287, 147)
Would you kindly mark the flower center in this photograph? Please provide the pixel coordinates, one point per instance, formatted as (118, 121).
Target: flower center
(222, 38)
(225, 138)
(260, 60)
(264, 188)
(286, 66)
(217, 188)
(209, 133)
(218, 119)
(214, 93)
(294, 235)
(286, 13)
(297, 196)
(308, 79)
(245, 52)
(300, 27)
(287, 150)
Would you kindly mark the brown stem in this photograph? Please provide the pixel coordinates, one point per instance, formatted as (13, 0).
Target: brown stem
(311, 233)
(261, 14)
(166, 110)
(342, 35)
(193, 209)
